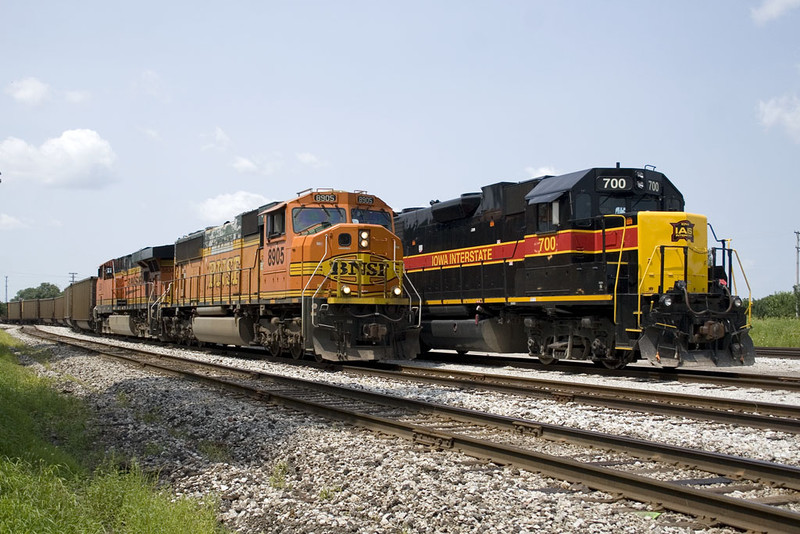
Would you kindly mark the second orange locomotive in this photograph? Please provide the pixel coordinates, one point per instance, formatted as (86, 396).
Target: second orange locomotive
(321, 274)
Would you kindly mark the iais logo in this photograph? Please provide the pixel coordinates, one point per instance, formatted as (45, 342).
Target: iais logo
(683, 230)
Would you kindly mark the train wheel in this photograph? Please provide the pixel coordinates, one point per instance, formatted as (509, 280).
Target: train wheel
(546, 359)
(615, 360)
(274, 348)
(296, 350)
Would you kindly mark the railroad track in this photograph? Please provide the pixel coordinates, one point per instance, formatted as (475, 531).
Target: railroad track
(515, 441)
(782, 417)
(789, 353)
(732, 378)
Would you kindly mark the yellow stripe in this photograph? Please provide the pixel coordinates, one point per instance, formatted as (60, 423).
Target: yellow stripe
(564, 298)
(368, 300)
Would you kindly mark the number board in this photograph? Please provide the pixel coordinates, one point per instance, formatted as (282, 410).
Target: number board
(324, 197)
(614, 183)
(653, 187)
(365, 199)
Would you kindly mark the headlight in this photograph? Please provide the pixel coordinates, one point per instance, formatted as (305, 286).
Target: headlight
(397, 291)
(363, 239)
(666, 301)
(346, 290)
(737, 302)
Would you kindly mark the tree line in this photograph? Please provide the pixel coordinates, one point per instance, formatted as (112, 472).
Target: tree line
(781, 304)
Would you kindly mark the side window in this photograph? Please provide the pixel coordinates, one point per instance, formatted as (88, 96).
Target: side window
(548, 216)
(276, 223)
(583, 208)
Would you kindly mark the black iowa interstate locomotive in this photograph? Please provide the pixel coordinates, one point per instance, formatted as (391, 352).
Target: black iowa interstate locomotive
(602, 264)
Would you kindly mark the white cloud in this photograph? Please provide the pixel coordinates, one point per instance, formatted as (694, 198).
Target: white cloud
(784, 112)
(78, 158)
(535, 172)
(220, 140)
(30, 91)
(307, 158)
(7, 222)
(227, 206)
(772, 9)
(263, 166)
(244, 165)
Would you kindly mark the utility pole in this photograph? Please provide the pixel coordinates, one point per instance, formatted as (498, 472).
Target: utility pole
(797, 277)
(72, 277)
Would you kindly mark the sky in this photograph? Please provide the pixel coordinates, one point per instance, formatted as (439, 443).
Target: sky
(125, 125)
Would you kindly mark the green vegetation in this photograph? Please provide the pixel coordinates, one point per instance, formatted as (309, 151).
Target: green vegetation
(781, 304)
(278, 477)
(49, 481)
(44, 291)
(774, 321)
(326, 494)
(776, 332)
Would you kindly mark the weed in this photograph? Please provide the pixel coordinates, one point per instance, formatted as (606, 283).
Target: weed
(216, 451)
(278, 477)
(327, 494)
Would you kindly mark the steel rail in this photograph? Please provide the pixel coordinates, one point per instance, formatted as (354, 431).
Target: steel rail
(732, 378)
(782, 417)
(735, 512)
(789, 353)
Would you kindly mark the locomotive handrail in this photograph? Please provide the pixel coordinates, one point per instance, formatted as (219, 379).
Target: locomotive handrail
(310, 278)
(747, 283)
(619, 257)
(410, 301)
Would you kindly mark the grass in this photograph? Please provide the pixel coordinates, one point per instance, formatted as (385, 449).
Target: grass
(49, 475)
(278, 477)
(776, 332)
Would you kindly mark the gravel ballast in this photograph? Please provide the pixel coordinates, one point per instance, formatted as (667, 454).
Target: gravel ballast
(277, 470)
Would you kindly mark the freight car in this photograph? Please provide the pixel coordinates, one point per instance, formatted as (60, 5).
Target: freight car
(79, 303)
(321, 274)
(602, 264)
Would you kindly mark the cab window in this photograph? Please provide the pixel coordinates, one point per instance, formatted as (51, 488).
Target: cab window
(583, 206)
(647, 203)
(363, 216)
(548, 216)
(610, 205)
(276, 223)
(307, 220)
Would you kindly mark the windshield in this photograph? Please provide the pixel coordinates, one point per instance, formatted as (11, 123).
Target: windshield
(312, 220)
(372, 217)
(611, 205)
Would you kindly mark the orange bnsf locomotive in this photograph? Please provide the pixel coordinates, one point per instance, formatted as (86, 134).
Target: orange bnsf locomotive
(602, 264)
(321, 274)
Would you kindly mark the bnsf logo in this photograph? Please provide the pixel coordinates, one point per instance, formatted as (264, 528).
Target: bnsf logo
(341, 268)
